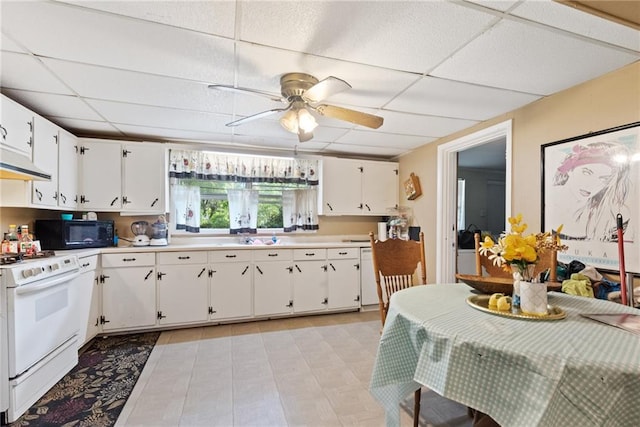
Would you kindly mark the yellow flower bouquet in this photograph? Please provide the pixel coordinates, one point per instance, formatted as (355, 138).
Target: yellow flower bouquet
(516, 252)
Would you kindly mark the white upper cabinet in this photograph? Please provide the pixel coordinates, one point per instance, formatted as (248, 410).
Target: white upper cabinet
(67, 170)
(16, 126)
(126, 177)
(45, 157)
(358, 187)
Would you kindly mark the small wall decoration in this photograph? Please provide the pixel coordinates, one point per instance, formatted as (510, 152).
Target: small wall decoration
(412, 187)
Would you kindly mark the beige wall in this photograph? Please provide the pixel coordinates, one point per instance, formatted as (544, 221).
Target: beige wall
(606, 102)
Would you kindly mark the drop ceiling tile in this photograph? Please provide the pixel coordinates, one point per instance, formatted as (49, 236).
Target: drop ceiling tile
(119, 42)
(25, 72)
(140, 115)
(363, 150)
(379, 139)
(8, 45)
(364, 32)
(501, 5)
(448, 98)
(212, 17)
(417, 124)
(570, 19)
(526, 58)
(371, 86)
(164, 134)
(54, 105)
(84, 127)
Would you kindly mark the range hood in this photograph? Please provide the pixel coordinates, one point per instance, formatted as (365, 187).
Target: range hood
(17, 166)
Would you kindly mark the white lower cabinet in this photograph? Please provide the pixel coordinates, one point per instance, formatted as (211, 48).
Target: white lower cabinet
(87, 293)
(309, 280)
(128, 290)
(230, 285)
(182, 284)
(272, 282)
(343, 278)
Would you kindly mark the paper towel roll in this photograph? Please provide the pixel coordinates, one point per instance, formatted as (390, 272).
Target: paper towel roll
(382, 231)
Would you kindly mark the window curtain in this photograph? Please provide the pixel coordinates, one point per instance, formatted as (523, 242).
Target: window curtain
(185, 206)
(225, 167)
(299, 209)
(243, 211)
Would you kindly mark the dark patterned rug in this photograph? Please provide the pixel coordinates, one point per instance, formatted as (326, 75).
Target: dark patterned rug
(95, 391)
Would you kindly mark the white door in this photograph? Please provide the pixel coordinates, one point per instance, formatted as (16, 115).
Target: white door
(272, 288)
(100, 175)
(231, 294)
(129, 297)
(143, 177)
(17, 126)
(343, 283)
(67, 170)
(341, 187)
(182, 293)
(309, 286)
(45, 157)
(379, 187)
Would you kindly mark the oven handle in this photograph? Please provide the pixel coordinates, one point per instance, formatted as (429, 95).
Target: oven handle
(27, 289)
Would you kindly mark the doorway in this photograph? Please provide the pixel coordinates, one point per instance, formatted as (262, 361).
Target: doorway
(446, 216)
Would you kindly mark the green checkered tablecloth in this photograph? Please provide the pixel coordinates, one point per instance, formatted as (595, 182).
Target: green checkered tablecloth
(569, 372)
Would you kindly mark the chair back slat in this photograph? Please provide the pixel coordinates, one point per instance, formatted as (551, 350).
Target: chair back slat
(397, 265)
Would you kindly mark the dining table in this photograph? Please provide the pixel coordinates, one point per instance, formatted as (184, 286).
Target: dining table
(558, 370)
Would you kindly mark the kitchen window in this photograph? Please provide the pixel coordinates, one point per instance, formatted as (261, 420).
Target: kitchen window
(242, 194)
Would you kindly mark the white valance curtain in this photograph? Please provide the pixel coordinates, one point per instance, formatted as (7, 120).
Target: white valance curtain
(185, 206)
(227, 167)
(299, 209)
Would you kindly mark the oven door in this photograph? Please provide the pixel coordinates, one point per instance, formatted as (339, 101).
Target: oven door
(40, 319)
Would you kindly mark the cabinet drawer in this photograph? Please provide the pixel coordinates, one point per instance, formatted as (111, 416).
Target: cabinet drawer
(191, 257)
(305, 254)
(131, 259)
(228, 256)
(88, 263)
(343, 253)
(272, 255)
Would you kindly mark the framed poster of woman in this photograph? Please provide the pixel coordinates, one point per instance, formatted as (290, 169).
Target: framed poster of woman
(586, 182)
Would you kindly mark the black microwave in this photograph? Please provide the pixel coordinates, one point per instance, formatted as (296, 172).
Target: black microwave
(73, 234)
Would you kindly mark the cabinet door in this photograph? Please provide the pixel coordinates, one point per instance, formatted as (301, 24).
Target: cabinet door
(379, 187)
(343, 283)
(182, 294)
(143, 177)
(94, 327)
(231, 290)
(16, 126)
(67, 170)
(129, 297)
(45, 156)
(309, 286)
(272, 288)
(341, 187)
(100, 175)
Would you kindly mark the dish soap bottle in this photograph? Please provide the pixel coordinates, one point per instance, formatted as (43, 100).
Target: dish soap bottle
(274, 239)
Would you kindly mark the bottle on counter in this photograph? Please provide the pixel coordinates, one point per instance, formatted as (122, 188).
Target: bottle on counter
(26, 240)
(10, 244)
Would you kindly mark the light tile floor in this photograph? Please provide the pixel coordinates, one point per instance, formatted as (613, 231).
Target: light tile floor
(305, 371)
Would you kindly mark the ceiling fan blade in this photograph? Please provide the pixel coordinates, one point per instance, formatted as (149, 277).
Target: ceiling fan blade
(353, 116)
(247, 91)
(256, 116)
(324, 89)
(304, 136)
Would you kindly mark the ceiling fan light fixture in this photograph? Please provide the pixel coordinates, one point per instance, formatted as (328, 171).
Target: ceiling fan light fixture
(289, 121)
(306, 121)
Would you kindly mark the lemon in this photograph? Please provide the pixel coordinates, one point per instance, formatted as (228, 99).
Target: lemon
(493, 300)
(504, 303)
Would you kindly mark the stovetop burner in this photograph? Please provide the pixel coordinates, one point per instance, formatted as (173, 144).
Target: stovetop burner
(12, 258)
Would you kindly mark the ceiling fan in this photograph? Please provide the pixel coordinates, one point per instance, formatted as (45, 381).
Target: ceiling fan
(303, 93)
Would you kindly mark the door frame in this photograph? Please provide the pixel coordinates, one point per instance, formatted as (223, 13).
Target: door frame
(446, 233)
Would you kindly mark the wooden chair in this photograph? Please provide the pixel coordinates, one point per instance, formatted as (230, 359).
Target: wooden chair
(395, 264)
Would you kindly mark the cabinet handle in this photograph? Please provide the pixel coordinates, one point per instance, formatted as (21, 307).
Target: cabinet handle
(184, 257)
(332, 267)
(114, 201)
(298, 268)
(330, 207)
(343, 253)
(259, 271)
(310, 254)
(128, 259)
(368, 208)
(3, 131)
(272, 254)
(86, 264)
(229, 256)
(244, 271)
(154, 202)
(38, 194)
(148, 274)
(203, 270)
